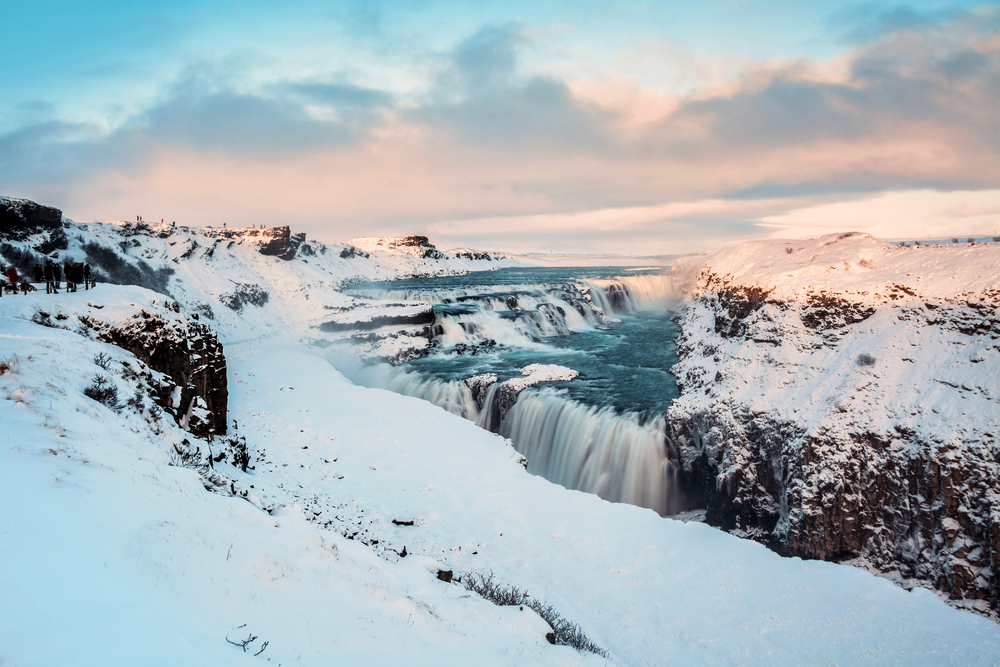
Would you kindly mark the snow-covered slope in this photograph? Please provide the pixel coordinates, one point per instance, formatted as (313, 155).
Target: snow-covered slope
(114, 553)
(122, 546)
(840, 401)
(261, 280)
(114, 556)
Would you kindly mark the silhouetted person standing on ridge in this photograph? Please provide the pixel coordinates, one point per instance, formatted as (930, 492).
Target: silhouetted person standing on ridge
(56, 277)
(47, 274)
(12, 279)
(86, 277)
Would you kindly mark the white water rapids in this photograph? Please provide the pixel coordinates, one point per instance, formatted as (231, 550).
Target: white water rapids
(621, 457)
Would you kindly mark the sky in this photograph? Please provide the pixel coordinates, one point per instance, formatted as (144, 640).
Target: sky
(546, 126)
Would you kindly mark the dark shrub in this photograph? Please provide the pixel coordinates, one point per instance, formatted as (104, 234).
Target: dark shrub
(24, 260)
(235, 450)
(109, 267)
(104, 391)
(57, 240)
(865, 360)
(103, 360)
(564, 632)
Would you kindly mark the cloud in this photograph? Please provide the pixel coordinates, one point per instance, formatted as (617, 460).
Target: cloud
(864, 23)
(487, 148)
(912, 215)
(487, 57)
(339, 95)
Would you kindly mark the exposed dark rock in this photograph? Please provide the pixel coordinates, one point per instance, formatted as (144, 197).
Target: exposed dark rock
(21, 218)
(187, 254)
(494, 398)
(917, 507)
(277, 242)
(378, 321)
(827, 311)
(445, 575)
(245, 294)
(350, 251)
(188, 353)
(479, 386)
(473, 254)
(421, 245)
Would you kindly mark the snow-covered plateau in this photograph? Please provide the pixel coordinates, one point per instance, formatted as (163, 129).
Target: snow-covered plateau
(311, 521)
(840, 400)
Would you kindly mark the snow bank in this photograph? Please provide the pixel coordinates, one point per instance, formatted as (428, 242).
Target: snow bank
(535, 373)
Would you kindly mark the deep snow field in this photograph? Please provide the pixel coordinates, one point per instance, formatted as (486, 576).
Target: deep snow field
(110, 555)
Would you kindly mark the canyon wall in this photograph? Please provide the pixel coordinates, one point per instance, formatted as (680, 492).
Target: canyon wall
(840, 401)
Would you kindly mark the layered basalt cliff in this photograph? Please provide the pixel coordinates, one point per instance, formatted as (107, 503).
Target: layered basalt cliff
(271, 241)
(840, 402)
(190, 380)
(187, 352)
(418, 246)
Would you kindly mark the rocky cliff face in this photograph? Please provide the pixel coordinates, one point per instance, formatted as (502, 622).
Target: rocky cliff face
(20, 218)
(271, 241)
(184, 350)
(840, 402)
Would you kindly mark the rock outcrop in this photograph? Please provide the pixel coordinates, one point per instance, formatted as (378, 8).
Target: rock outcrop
(187, 352)
(365, 322)
(843, 405)
(271, 241)
(20, 218)
(418, 246)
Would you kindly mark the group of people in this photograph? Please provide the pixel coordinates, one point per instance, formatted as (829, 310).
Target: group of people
(52, 275)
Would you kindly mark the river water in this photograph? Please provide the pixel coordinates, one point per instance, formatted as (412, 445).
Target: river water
(601, 431)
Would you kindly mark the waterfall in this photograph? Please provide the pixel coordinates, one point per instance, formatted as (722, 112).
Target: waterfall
(455, 397)
(619, 457)
(614, 456)
(637, 292)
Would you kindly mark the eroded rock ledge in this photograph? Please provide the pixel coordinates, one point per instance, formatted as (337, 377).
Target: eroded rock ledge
(186, 351)
(186, 373)
(850, 413)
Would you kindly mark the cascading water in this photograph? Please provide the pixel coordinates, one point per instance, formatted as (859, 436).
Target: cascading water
(602, 432)
(618, 457)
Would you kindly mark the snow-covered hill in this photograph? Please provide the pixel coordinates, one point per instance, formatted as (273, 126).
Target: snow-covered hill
(840, 401)
(258, 280)
(122, 544)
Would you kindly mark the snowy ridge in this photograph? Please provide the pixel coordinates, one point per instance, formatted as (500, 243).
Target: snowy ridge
(859, 267)
(839, 402)
(223, 275)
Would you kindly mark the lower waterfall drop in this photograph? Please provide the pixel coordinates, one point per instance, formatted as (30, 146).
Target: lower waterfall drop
(596, 450)
(602, 432)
